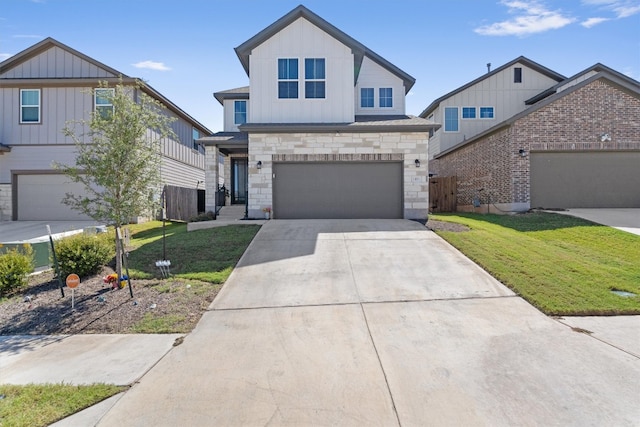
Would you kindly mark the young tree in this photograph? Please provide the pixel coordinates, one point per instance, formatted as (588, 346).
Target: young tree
(118, 156)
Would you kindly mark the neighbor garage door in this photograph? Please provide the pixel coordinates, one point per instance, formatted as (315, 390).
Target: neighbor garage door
(337, 190)
(585, 180)
(40, 198)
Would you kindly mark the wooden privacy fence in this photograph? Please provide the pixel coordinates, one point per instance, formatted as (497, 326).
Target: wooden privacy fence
(182, 203)
(443, 194)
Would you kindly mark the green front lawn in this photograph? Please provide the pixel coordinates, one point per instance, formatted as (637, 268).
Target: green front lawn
(561, 264)
(41, 405)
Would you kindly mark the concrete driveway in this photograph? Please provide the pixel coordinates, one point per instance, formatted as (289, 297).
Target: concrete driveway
(625, 219)
(377, 323)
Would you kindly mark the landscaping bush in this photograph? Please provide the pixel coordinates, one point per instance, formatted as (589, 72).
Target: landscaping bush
(203, 216)
(84, 254)
(14, 267)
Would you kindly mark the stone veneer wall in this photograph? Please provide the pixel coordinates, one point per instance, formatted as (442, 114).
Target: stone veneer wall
(573, 122)
(5, 202)
(404, 146)
(210, 177)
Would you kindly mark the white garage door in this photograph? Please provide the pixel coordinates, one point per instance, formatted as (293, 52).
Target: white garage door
(40, 198)
(338, 190)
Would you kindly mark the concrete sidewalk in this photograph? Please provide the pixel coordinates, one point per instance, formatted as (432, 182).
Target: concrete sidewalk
(380, 323)
(625, 219)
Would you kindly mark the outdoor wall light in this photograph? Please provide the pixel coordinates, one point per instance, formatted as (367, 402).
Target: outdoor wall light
(522, 152)
(259, 164)
(417, 162)
(605, 137)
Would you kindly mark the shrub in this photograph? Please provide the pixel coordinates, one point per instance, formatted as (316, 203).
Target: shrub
(14, 267)
(84, 254)
(203, 216)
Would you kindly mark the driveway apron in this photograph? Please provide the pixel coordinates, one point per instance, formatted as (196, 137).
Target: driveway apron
(377, 322)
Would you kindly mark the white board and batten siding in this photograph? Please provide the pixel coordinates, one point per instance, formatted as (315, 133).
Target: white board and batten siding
(229, 114)
(372, 75)
(56, 63)
(301, 40)
(498, 91)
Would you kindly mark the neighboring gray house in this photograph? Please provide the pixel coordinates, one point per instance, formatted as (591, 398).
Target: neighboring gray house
(43, 87)
(486, 101)
(321, 131)
(571, 144)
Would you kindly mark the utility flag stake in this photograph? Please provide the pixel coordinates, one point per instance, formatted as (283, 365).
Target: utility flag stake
(55, 261)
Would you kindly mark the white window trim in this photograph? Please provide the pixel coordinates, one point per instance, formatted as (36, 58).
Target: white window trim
(392, 100)
(360, 98)
(39, 106)
(246, 104)
(95, 98)
(486, 118)
(444, 119)
(462, 117)
(304, 69)
(278, 79)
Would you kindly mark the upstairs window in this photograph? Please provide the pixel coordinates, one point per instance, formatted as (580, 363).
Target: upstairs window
(517, 75)
(451, 119)
(486, 112)
(240, 112)
(366, 97)
(195, 135)
(468, 112)
(386, 97)
(103, 102)
(314, 75)
(287, 78)
(29, 105)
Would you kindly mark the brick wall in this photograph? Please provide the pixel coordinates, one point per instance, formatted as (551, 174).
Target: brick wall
(574, 122)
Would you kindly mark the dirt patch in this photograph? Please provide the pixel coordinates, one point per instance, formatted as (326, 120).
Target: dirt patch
(446, 226)
(99, 309)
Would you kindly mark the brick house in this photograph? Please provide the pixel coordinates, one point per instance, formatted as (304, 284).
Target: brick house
(321, 130)
(575, 144)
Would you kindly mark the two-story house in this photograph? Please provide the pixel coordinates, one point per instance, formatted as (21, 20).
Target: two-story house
(525, 137)
(321, 131)
(41, 89)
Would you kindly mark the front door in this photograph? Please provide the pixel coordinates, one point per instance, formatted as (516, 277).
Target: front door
(239, 178)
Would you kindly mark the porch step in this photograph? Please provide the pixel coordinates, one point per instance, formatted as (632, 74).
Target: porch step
(231, 213)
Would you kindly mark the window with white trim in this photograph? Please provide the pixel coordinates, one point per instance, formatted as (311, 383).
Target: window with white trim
(468, 112)
(103, 102)
(386, 97)
(314, 76)
(287, 78)
(30, 106)
(239, 112)
(366, 97)
(486, 112)
(451, 119)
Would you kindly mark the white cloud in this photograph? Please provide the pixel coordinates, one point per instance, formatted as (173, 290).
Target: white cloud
(621, 8)
(4, 56)
(591, 22)
(530, 17)
(152, 65)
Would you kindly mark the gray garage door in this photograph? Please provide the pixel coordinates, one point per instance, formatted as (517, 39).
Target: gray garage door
(40, 198)
(337, 190)
(585, 180)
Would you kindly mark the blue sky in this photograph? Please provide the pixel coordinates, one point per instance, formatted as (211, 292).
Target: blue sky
(184, 49)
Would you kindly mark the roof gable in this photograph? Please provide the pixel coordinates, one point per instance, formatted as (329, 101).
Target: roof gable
(521, 59)
(52, 59)
(359, 50)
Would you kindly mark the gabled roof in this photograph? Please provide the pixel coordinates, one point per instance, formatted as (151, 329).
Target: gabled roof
(359, 50)
(237, 93)
(623, 82)
(50, 43)
(45, 45)
(596, 68)
(521, 59)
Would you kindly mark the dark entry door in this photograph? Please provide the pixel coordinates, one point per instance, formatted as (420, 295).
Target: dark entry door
(239, 181)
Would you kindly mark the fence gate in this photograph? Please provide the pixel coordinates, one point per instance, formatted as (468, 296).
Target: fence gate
(182, 203)
(442, 194)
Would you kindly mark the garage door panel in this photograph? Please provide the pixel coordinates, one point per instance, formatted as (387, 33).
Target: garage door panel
(40, 198)
(585, 180)
(337, 190)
